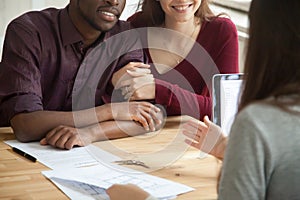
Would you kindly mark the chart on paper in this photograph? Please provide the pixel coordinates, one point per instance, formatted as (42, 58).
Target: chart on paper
(105, 176)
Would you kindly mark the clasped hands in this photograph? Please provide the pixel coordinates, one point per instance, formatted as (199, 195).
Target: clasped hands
(135, 81)
(66, 137)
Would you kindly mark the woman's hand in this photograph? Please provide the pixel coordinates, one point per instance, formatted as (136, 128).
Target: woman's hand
(128, 191)
(121, 74)
(206, 136)
(145, 113)
(139, 87)
(136, 81)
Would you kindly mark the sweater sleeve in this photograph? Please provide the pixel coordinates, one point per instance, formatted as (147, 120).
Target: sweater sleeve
(225, 50)
(177, 100)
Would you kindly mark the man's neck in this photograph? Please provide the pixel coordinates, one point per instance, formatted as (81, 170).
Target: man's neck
(89, 34)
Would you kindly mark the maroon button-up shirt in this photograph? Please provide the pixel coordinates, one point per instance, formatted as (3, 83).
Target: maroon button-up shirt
(44, 66)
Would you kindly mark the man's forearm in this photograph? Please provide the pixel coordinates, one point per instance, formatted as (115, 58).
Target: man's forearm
(112, 130)
(34, 126)
(117, 129)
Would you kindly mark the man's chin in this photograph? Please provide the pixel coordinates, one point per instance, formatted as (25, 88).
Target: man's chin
(106, 27)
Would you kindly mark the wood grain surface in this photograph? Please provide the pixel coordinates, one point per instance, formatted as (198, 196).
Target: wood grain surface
(163, 151)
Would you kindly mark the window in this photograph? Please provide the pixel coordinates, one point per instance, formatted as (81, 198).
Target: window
(240, 5)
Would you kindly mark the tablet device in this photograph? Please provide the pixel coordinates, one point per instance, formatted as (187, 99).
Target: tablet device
(226, 89)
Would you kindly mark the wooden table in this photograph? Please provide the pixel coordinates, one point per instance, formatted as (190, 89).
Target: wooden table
(163, 151)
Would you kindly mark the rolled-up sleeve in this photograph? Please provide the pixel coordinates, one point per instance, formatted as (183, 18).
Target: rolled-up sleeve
(20, 87)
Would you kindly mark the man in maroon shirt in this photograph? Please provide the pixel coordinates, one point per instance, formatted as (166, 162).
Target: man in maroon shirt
(55, 67)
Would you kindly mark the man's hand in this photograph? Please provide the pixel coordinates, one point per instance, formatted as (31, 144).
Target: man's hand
(145, 113)
(64, 137)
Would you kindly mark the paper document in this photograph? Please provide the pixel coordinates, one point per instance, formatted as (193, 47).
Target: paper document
(230, 93)
(78, 191)
(101, 176)
(64, 159)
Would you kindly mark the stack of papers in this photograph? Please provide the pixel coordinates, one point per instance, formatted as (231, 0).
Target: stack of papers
(92, 182)
(86, 172)
(64, 159)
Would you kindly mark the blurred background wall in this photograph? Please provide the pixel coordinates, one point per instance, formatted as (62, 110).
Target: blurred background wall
(10, 9)
(236, 9)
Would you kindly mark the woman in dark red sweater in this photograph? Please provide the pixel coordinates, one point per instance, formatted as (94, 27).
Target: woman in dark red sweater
(188, 46)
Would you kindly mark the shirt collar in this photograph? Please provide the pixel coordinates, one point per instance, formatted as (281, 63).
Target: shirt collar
(69, 33)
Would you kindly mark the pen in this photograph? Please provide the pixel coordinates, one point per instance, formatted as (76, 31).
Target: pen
(22, 153)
